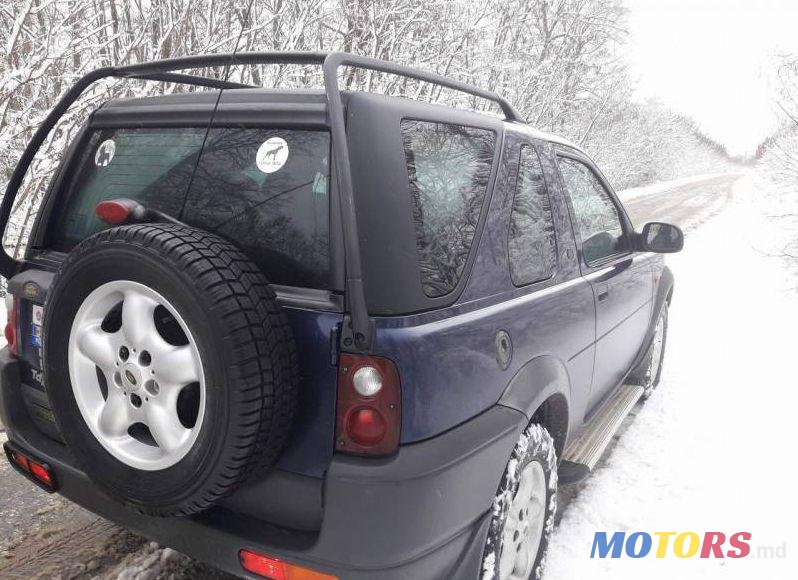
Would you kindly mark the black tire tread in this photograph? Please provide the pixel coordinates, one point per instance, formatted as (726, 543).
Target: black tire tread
(535, 444)
(266, 372)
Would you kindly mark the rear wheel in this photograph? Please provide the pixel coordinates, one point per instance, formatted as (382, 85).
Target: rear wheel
(523, 510)
(169, 365)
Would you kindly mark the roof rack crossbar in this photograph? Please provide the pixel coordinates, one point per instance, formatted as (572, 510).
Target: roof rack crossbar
(357, 331)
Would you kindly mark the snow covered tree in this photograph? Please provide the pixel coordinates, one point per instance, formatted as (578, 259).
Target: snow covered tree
(559, 61)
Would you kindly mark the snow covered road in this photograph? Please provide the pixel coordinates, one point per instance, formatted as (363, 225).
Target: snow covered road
(711, 451)
(686, 203)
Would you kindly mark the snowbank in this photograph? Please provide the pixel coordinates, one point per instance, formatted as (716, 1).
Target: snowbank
(711, 450)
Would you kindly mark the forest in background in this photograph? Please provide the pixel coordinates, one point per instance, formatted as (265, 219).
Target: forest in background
(559, 61)
(778, 155)
(776, 163)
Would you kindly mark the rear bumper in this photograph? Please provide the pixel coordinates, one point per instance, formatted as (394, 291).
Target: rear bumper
(421, 514)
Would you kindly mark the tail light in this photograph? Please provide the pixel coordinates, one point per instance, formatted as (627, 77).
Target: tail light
(12, 306)
(275, 569)
(369, 414)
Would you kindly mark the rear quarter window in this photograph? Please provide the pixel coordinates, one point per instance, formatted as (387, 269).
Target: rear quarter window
(448, 169)
(531, 241)
(266, 190)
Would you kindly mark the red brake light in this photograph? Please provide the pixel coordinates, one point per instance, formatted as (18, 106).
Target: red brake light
(368, 417)
(275, 569)
(11, 328)
(366, 426)
(113, 212)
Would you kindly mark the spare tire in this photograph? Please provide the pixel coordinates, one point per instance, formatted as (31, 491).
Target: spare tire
(170, 367)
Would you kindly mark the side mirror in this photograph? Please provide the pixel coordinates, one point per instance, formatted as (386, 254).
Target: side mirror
(661, 238)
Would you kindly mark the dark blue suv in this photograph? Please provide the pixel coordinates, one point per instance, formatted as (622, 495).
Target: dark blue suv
(318, 334)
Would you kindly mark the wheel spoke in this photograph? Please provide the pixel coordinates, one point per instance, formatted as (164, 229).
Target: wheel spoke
(137, 318)
(177, 366)
(524, 492)
(507, 559)
(115, 419)
(164, 424)
(521, 569)
(145, 376)
(535, 508)
(98, 347)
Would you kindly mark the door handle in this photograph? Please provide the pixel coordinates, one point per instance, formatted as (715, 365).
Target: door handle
(603, 293)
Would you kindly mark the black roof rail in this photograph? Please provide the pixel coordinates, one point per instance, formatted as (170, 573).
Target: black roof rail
(357, 332)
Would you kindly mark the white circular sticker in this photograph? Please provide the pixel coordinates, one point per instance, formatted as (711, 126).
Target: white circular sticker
(105, 153)
(272, 155)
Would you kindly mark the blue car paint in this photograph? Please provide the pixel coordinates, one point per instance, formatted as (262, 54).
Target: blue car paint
(311, 443)
(448, 367)
(447, 358)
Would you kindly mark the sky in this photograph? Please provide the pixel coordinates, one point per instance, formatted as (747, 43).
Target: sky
(710, 59)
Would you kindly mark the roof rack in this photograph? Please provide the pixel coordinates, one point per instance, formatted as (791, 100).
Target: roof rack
(357, 332)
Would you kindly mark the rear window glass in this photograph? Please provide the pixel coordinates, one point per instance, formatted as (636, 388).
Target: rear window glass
(448, 169)
(266, 190)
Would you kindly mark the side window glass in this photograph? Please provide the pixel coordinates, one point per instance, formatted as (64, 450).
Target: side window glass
(531, 244)
(448, 169)
(596, 215)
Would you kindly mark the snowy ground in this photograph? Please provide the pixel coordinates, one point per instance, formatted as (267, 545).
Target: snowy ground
(712, 450)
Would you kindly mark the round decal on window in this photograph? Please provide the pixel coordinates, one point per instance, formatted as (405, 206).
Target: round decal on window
(272, 155)
(105, 153)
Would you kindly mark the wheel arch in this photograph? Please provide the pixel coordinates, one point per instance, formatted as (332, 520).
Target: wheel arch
(663, 294)
(541, 390)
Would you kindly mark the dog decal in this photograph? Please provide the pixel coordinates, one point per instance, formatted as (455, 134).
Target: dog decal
(272, 155)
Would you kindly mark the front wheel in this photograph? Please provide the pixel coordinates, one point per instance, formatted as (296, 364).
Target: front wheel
(523, 510)
(654, 368)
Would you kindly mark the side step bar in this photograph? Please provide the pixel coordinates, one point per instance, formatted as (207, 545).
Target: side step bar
(583, 453)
